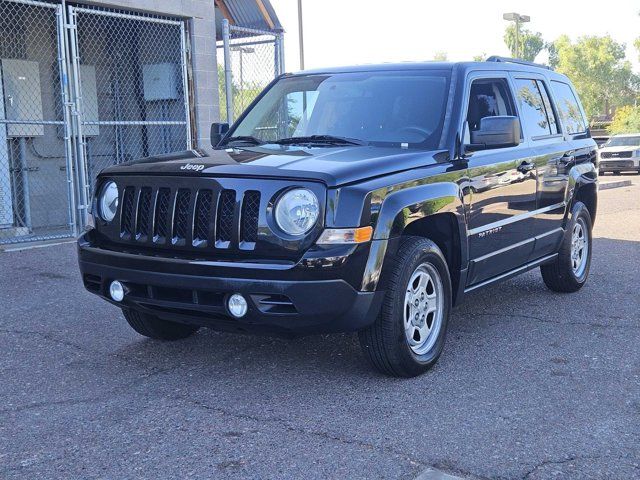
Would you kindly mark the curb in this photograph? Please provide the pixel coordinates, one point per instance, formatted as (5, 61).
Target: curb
(618, 184)
(19, 247)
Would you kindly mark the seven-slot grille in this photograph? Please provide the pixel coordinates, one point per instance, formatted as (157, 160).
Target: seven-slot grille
(626, 154)
(185, 217)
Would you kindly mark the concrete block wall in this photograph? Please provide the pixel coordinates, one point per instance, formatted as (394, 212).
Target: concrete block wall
(201, 15)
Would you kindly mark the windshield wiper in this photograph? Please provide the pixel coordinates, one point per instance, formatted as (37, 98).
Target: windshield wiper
(319, 139)
(245, 139)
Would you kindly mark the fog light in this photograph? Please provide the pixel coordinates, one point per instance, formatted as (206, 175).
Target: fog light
(237, 305)
(116, 290)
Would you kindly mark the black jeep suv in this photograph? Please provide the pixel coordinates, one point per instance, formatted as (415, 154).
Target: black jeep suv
(366, 199)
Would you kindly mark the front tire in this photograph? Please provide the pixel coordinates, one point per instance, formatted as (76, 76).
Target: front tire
(409, 333)
(156, 328)
(569, 272)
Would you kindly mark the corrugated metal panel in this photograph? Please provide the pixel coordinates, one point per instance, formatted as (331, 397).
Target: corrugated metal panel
(247, 13)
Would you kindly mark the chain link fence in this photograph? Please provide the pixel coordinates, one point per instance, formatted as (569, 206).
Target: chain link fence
(35, 199)
(81, 89)
(132, 88)
(248, 60)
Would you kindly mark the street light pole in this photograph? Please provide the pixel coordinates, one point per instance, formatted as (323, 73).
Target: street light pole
(300, 35)
(517, 19)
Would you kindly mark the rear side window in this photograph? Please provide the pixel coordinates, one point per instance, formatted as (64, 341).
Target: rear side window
(568, 109)
(535, 108)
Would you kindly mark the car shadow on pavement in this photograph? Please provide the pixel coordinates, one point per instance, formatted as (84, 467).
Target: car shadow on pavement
(522, 299)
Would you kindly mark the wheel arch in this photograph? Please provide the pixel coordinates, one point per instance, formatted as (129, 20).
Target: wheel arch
(583, 187)
(434, 211)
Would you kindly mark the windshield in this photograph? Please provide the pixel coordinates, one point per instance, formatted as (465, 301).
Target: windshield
(623, 142)
(397, 108)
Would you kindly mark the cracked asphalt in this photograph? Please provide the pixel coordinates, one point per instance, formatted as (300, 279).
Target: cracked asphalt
(532, 385)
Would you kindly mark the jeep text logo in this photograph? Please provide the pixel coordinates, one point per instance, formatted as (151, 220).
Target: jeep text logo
(196, 167)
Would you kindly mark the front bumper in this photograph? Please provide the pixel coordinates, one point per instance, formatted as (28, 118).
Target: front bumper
(316, 295)
(619, 165)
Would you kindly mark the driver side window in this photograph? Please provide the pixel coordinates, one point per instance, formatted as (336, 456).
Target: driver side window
(489, 97)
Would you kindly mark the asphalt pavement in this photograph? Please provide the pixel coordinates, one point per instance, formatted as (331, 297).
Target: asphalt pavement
(532, 385)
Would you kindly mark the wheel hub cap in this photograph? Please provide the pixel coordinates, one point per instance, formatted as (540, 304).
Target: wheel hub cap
(423, 308)
(579, 247)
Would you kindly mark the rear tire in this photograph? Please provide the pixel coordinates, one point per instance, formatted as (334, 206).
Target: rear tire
(569, 272)
(156, 328)
(409, 334)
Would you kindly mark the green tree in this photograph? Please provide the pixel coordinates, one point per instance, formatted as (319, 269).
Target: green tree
(441, 56)
(626, 120)
(530, 43)
(599, 71)
(480, 58)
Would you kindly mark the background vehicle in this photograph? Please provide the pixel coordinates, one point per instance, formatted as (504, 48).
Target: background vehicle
(337, 203)
(621, 153)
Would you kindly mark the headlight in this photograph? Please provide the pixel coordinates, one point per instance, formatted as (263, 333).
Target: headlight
(297, 211)
(108, 201)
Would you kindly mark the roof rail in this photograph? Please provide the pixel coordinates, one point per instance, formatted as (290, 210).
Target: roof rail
(496, 58)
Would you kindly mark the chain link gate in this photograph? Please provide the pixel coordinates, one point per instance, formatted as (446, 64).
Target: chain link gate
(131, 93)
(36, 192)
(248, 60)
(81, 89)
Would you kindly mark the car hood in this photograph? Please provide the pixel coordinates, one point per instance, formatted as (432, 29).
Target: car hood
(330, 165)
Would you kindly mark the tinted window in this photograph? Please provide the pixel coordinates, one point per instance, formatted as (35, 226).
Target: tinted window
(379, 108)
(488, 98)
(551, 116)
(533, 112)
(568, 109)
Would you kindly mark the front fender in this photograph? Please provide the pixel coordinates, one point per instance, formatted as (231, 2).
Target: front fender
(401, 208)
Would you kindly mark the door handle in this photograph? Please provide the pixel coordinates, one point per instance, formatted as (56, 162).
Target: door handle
(525, 167)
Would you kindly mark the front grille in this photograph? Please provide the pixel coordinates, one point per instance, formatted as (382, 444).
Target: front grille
(249, 217)
(160, 229)
(128, 211)
(144, 214)
(225, 220)
(181, 217)
(202, 218)
(191, 218)
(627, 154)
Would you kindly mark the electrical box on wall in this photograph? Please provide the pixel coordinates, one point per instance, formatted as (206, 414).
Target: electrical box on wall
(22, 97)
(160, 82)
(89, 90)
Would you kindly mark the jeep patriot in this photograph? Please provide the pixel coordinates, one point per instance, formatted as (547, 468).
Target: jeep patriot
(363, 199)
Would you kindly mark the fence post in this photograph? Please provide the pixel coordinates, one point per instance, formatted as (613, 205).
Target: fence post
(81, 158)
(228, 85)
(66, 105)
(280, 50)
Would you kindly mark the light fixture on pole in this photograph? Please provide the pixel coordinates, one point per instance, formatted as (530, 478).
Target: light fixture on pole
(300, 35)
(517, 19)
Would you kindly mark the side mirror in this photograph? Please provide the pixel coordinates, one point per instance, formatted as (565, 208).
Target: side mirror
(218, 131)
(496, 132)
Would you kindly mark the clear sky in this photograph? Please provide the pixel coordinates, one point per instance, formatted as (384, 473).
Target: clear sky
(343, 32)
